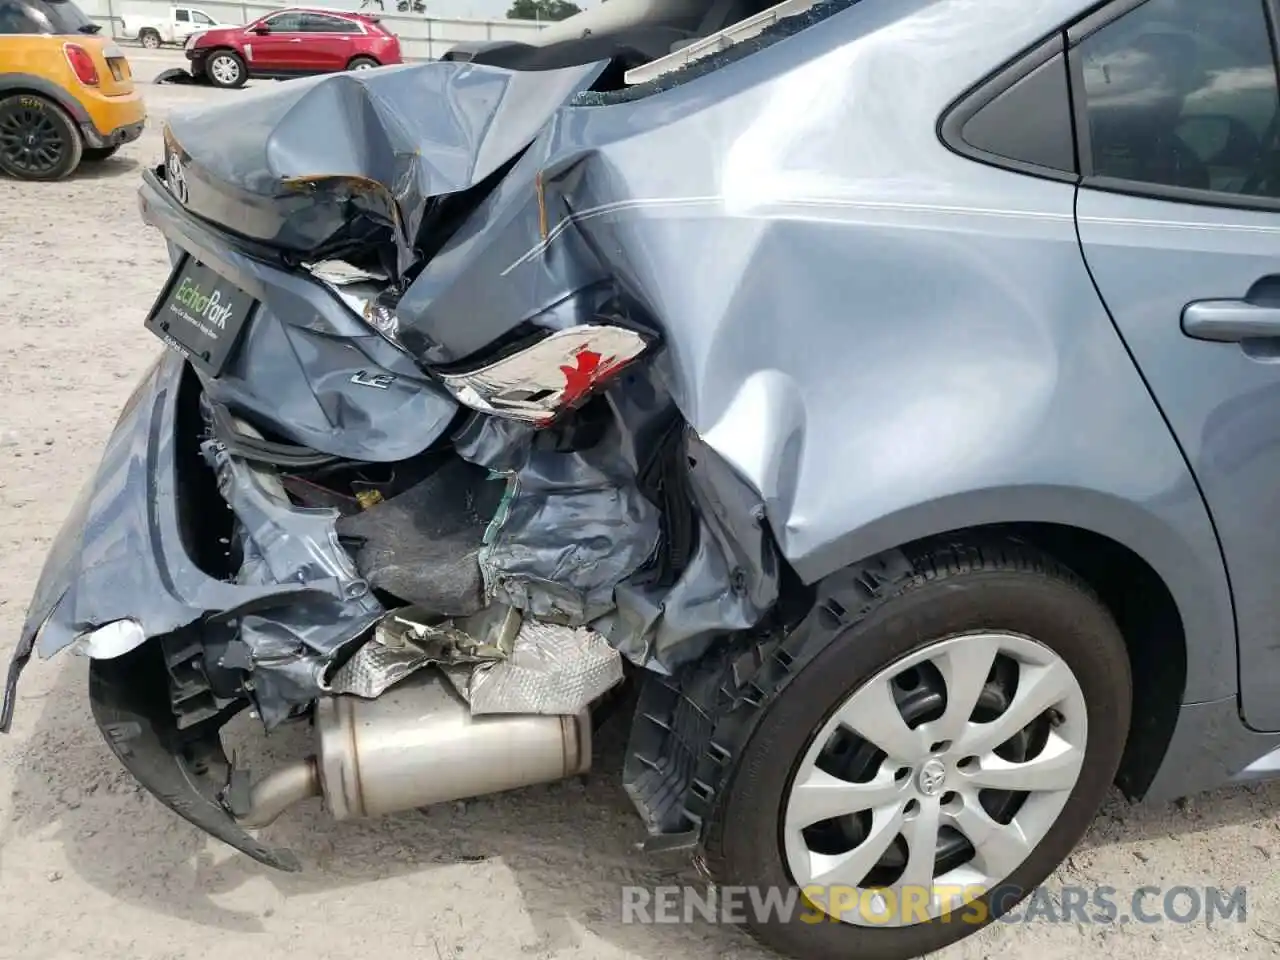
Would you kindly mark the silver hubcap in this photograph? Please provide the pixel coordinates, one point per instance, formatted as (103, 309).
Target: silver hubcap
(364, 66)
(224, 69)
(151, 41)
(931, 779)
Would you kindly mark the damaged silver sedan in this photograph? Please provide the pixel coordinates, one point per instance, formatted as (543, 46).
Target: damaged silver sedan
(740, 359)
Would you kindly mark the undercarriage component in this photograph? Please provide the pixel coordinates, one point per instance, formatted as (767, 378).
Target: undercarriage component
(405, 641)
(551, 670)
(498, 661)
(423, 545)
(192, 694)
(418, 745)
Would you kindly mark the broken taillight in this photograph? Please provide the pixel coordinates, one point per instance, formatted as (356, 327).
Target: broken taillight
(549, 377)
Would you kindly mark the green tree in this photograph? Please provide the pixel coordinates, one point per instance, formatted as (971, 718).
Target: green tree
(542, 10)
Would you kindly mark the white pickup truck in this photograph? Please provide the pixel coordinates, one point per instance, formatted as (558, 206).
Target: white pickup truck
(181, 23)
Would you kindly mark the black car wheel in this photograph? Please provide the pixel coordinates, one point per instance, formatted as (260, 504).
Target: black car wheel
(38, 141)
(936, 742)
(149, 39)
(98, 154)
(226, 69)
(363, 63)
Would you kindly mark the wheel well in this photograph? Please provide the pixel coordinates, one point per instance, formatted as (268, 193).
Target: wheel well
(145, 30)
(7, 92)
(1148, 618)
(364, 56)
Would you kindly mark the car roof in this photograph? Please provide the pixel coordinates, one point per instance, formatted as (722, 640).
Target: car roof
(345, 14)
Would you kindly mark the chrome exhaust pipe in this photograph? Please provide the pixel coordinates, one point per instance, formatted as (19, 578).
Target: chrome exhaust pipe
(417, 745)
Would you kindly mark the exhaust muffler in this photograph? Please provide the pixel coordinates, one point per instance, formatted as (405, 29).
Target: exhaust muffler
(416, 745)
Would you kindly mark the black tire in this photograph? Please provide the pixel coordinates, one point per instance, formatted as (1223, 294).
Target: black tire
(149, 38)
(363, 63)
(98, 154)
(226, 69)
(25, 115)
(863, 621)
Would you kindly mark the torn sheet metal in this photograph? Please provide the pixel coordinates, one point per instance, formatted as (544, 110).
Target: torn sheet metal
(287, 650)
(572, 524)
(552, 670)
(407, 640)
(324, 163)
(577, 537)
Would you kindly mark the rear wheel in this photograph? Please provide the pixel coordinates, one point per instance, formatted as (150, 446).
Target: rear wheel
(225, 69)
(38, 141)
(150, 39)
(937, 743)
(98, 154)
(363, 63)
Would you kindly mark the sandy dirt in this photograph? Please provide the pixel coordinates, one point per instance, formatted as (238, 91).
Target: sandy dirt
(90, 865)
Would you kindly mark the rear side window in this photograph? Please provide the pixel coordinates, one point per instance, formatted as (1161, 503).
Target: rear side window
(182, 16)
(15, 19)
(1183, 93)
(1020, 119)
(318, 23)
(63, 17)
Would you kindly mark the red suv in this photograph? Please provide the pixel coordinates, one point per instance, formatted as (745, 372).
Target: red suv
(291, 43)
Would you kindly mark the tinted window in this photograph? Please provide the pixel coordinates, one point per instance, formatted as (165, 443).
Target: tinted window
(15, 19)
(318, 23)
(1183, 93)
(285, 22)
(62, 16)
(203, 19)
(182, 16)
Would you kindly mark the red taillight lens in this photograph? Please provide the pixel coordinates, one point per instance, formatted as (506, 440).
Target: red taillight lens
(81, 64)
(554, 375)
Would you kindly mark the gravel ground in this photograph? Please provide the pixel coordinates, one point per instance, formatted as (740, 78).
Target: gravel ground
(90, 864)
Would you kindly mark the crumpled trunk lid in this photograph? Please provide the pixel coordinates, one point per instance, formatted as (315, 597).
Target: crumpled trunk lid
(320, 166)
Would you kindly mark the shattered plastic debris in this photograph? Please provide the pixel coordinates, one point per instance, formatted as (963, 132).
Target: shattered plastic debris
(553, 670)
(402, 645)
(289, 648)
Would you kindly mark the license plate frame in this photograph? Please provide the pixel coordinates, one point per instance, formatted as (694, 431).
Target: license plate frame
(203, 318)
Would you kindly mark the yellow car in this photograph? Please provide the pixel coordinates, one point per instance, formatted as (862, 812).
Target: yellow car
(66, 94)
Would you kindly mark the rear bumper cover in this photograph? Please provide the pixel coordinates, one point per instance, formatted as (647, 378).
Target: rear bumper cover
(93, 137)
(121, 553)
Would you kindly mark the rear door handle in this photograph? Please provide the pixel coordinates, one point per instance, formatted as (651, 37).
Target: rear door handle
(1230, 321)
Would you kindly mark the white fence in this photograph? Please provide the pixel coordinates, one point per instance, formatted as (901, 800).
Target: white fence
(421, 37)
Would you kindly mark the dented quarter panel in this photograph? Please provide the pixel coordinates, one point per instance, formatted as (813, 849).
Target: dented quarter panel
(880, 339)
(884, 339)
